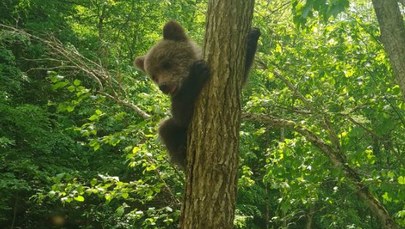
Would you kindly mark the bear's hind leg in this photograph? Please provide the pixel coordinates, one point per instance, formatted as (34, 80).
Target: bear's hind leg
(174, 137)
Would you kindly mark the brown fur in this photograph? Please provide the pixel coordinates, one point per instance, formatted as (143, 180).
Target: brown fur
(176, 66)
(169, 61)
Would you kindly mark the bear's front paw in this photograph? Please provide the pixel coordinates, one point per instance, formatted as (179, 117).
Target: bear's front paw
(254, 34)
(200, 69)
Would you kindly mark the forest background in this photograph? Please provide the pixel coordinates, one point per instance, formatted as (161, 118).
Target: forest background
(78, 123)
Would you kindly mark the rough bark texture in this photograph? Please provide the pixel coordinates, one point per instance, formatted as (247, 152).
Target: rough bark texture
(213, 144)
(392, 36)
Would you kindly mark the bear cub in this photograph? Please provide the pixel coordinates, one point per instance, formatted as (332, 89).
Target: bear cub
(175, 64)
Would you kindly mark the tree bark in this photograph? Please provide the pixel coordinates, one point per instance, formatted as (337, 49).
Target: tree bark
(213, 142)
(392, 36)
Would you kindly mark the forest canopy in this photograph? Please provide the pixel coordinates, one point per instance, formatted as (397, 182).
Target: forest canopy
(322, 138)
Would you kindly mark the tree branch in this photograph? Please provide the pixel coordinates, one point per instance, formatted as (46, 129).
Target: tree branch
(70, 58)
(333, 152)
(338, 159)
(135, 108)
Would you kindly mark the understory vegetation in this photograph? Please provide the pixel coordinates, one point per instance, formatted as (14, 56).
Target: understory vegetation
(323, 118)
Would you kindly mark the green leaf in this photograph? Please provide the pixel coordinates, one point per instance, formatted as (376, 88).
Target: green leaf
(125, 195)
(135, 150)
(60, 84)
(79, 198)
(386, 197)
(71, 88)
(401, 180)
(77, 82)
(120, 211)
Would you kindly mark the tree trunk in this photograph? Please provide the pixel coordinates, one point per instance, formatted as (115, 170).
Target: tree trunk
(392, 36)
(213, 143)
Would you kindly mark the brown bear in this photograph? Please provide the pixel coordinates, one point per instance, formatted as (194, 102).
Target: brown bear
(175, 64)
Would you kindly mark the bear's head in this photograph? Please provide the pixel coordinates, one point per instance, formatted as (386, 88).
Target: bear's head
(168, 62)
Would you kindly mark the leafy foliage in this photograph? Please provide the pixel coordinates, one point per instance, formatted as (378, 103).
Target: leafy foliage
(78, 124)
(325, 9)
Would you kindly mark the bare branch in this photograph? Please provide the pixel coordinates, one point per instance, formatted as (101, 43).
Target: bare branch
(127, 104)
(70, 58)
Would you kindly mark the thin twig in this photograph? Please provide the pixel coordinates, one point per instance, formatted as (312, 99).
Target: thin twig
(70, 58)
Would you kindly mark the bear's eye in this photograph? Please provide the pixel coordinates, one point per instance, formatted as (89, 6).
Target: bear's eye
(166, 65)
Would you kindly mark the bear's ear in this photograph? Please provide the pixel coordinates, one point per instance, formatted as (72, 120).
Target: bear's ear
(173, 31)
(139, 63)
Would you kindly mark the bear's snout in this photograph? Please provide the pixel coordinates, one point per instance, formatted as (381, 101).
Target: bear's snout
(166, 88)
